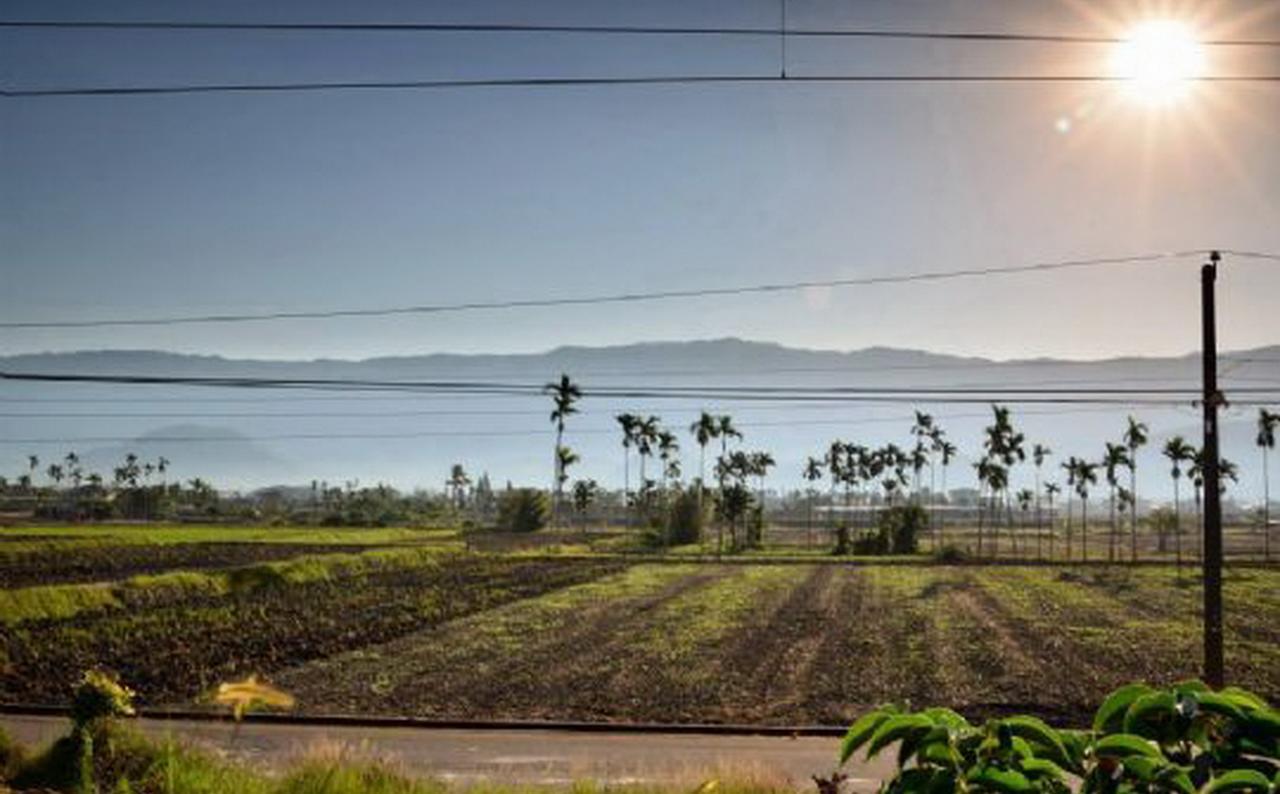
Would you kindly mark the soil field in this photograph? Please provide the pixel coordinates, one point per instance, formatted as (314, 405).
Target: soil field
(174, 644)
(93, 562)
(426, 630)
(805, 645)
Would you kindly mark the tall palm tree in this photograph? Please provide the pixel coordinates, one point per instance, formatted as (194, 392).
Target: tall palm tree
(1039, 452)
(1135, 437)
(835, 461)
(564, 394)
(1025, 497)
(812, 473)
(584, 495)
(1177, 451)
(923, 430)
(669, 454)
(1086, 475)
(628, 424)
(1051, 489)
(1072, 467)
(1195, 473)
(704, 430)
(565, 458)
(982, 470)
(1267, 424)
(761, 462)
(946, 453)
(646, 438)
(1116, 456)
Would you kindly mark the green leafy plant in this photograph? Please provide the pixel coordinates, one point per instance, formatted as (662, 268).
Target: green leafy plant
(1186, 739)
(523, 510)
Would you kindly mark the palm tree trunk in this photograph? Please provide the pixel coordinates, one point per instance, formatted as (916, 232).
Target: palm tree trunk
(1200, 528)
(1133, 504)
(1084, 529)
(1051, 532)
(1266, 508)
(1111, 547)
(1177, 530)
(626, 485)
(555, 468)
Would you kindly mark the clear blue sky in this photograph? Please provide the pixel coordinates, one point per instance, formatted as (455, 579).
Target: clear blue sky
(209, 203)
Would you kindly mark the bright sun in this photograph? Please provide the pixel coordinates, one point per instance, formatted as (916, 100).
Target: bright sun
(1158, 61)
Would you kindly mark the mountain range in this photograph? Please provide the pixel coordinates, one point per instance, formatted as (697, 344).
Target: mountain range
(244, 438)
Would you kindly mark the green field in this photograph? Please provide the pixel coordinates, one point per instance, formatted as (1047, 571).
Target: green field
(407, 622)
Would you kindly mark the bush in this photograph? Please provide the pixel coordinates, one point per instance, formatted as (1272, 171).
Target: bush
(1184, 740)
(843, 543)
(523, 510)
(951, 553)
(686, 518)
(99, 696)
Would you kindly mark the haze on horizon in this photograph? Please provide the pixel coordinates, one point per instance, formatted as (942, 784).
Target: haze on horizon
(154, 206)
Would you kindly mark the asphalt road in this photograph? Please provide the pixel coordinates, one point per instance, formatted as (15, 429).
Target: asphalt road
(515, 756)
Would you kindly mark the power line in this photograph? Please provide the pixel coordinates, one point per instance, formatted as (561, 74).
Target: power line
(899, 419)
(551, 82)
(629, 297)
(630, 30)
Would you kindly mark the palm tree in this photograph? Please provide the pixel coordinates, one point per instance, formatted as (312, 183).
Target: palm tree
(1051, 489)
(835, 460)
(1115, 457)
(1135, 436)
(1072, 467)
(983, 471)
(628, 423)
(724, 431)
(1025, 497)
(812, 473)
(760, 463)
(646, 438)
(1038, 454)
(1086, 475)
(946, 453)
(1177, 451)
(565, 458)
(704, 430)
(1267, 424)
(564, 394)
(668, 452)
(1195, 473)
(584, 495)
(457, 484)
(923, 430)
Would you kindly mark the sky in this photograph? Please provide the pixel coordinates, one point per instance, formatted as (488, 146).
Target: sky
(163, 205)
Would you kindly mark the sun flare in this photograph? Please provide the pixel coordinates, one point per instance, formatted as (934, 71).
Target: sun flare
(1158, 61)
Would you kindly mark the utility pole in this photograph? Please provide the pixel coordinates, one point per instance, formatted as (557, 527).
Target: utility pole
(1212, 559)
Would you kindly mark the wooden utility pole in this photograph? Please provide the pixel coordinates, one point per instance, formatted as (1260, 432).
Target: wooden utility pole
(1212, 558)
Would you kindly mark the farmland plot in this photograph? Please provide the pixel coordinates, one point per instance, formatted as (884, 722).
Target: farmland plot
(799, 644)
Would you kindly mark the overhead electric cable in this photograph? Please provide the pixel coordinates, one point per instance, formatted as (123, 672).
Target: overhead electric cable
(627, 297)
(627, 30)
(548, 82)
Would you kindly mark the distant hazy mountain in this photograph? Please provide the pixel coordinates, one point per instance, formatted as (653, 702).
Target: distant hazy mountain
(244, 438)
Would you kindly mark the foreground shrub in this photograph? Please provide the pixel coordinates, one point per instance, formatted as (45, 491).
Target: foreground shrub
(686, 518)
(1185, 739)
(523, 510)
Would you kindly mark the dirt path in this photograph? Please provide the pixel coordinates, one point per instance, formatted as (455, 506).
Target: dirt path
(525, 757)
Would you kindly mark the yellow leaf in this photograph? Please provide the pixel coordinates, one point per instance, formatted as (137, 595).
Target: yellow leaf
(251, 693)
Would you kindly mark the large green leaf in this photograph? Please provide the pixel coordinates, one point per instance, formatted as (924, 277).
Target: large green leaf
(1158, 772)
(1215, 703)
(1123, 745)
(990, 778)
(1038, 768)
(1238, 780)
(895, 729)
(1243, 698)
(1150, 715)
(1041, 736)
(861, 730)
(1110, 715)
